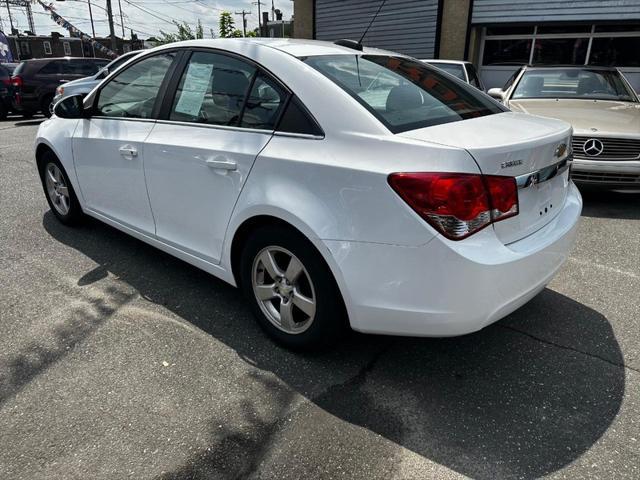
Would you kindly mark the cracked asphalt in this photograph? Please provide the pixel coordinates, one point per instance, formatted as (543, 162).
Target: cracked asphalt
(119, 361)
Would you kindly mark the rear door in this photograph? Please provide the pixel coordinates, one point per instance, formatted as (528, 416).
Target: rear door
(199, 154)
(108, 148)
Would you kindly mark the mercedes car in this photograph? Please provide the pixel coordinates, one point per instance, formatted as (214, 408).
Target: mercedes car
(602, 107)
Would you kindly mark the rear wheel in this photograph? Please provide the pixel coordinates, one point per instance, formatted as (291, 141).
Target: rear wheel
(58, 190)
(291, 289)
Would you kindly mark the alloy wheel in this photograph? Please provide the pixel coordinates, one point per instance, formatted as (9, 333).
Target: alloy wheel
(284, 290)
(57, 189)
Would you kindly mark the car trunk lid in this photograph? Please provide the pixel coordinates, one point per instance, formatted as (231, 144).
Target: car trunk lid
(522, 146)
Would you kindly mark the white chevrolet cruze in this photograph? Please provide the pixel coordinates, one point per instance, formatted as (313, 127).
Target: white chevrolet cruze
(338, 187)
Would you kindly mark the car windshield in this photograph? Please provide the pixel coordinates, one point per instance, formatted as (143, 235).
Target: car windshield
(591, 84)
(454, 69)
(404, 94)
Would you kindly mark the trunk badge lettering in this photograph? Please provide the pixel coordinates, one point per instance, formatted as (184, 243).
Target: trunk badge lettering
(511, 163)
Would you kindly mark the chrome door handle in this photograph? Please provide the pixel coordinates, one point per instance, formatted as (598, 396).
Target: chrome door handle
(219, 163)
(128, 151)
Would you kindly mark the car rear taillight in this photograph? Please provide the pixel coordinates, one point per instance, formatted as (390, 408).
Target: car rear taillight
(457, 204)
(16, 81)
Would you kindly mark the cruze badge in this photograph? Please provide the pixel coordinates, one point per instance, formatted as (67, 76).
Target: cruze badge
(593, 147)
(512, 163)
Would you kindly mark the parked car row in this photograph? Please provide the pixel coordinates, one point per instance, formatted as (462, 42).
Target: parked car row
(33, 86)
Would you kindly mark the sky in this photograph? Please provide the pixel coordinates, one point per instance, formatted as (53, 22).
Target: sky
(145, 17)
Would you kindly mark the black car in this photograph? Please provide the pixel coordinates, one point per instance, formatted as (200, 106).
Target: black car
(6, 90)
(35, 81)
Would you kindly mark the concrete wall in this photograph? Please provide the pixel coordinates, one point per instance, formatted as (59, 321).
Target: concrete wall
(453, 33)
(303, 18)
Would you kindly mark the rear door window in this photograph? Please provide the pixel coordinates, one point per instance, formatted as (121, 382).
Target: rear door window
(264, 104)
(213, 89)
(52, 68)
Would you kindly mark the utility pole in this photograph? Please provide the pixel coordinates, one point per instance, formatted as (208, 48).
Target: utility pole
(273, 11)
(121, 19)
(10, 19)
(93, 28)
(244, 14)
(114, 46)
(259, 17)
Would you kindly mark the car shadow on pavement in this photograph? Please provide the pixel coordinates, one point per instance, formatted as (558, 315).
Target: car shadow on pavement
(520, 399)
(600, 203)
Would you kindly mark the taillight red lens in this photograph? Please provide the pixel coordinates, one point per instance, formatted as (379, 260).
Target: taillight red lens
(457, 204)
(16, 81)
(503, 193)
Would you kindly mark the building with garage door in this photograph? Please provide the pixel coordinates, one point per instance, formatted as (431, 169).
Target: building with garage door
(496, 35)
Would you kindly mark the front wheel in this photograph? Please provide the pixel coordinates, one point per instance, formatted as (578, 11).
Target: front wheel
(291, 289)
(59, 191)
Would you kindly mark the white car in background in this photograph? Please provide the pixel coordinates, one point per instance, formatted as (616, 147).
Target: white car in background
(337, 187)
(465, 71)
(83, 86)
(602, 107)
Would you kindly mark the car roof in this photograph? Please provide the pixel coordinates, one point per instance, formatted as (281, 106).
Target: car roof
(44, 60)
(293, 46)
(571, 67)
(452, 62)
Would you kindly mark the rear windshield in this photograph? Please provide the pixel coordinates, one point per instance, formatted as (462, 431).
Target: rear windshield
(589, 84)
(404, 94)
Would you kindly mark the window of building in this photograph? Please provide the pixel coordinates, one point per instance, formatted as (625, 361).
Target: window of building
(67, 48)
(25, 49)
(574, 44)
(126, 48)
(47, 48)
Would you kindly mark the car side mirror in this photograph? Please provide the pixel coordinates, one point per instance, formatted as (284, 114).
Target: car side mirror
(496, 93)
(70, 107)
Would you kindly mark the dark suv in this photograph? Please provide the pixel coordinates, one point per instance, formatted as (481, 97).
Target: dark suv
(6, 90)
(35, 81)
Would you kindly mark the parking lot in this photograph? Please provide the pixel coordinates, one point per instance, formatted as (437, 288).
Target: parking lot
(119, 361)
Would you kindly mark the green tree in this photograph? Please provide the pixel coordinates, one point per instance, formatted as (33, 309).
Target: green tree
(252, 34)
(237, 33)
(227, 25)
(185, 32)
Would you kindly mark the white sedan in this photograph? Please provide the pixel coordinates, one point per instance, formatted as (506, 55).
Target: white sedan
(337, 187)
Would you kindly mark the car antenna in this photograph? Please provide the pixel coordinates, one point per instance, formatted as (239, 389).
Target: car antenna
(358, 45)
(372, 20)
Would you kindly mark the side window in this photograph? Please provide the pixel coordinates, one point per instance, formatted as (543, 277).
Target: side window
(264, 104)
(473, 76)
(296, 119)
(212, 90)
(132, 93)
(51, 68)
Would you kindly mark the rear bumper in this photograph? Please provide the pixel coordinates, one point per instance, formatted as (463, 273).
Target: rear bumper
(619, 174)
(447, 288)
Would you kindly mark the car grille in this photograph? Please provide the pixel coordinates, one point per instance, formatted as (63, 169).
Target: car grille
(614, 149)
(618, 178)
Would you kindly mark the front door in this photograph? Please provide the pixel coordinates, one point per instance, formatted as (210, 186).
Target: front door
(197, 159)
(108, 148)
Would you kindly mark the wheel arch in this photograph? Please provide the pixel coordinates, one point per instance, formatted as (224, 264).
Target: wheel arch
(255, 221)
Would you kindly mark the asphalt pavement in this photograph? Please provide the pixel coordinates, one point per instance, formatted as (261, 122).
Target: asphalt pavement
(119, 361)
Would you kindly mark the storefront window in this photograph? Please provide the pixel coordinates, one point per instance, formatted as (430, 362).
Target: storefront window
(551, 28)
(619, 51)
(517, 30)
(618, 28)
(506, 52)
(560, 51)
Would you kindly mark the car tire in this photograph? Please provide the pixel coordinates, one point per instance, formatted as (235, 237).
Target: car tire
(308, 283)
(45, 105)
(58, 190)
